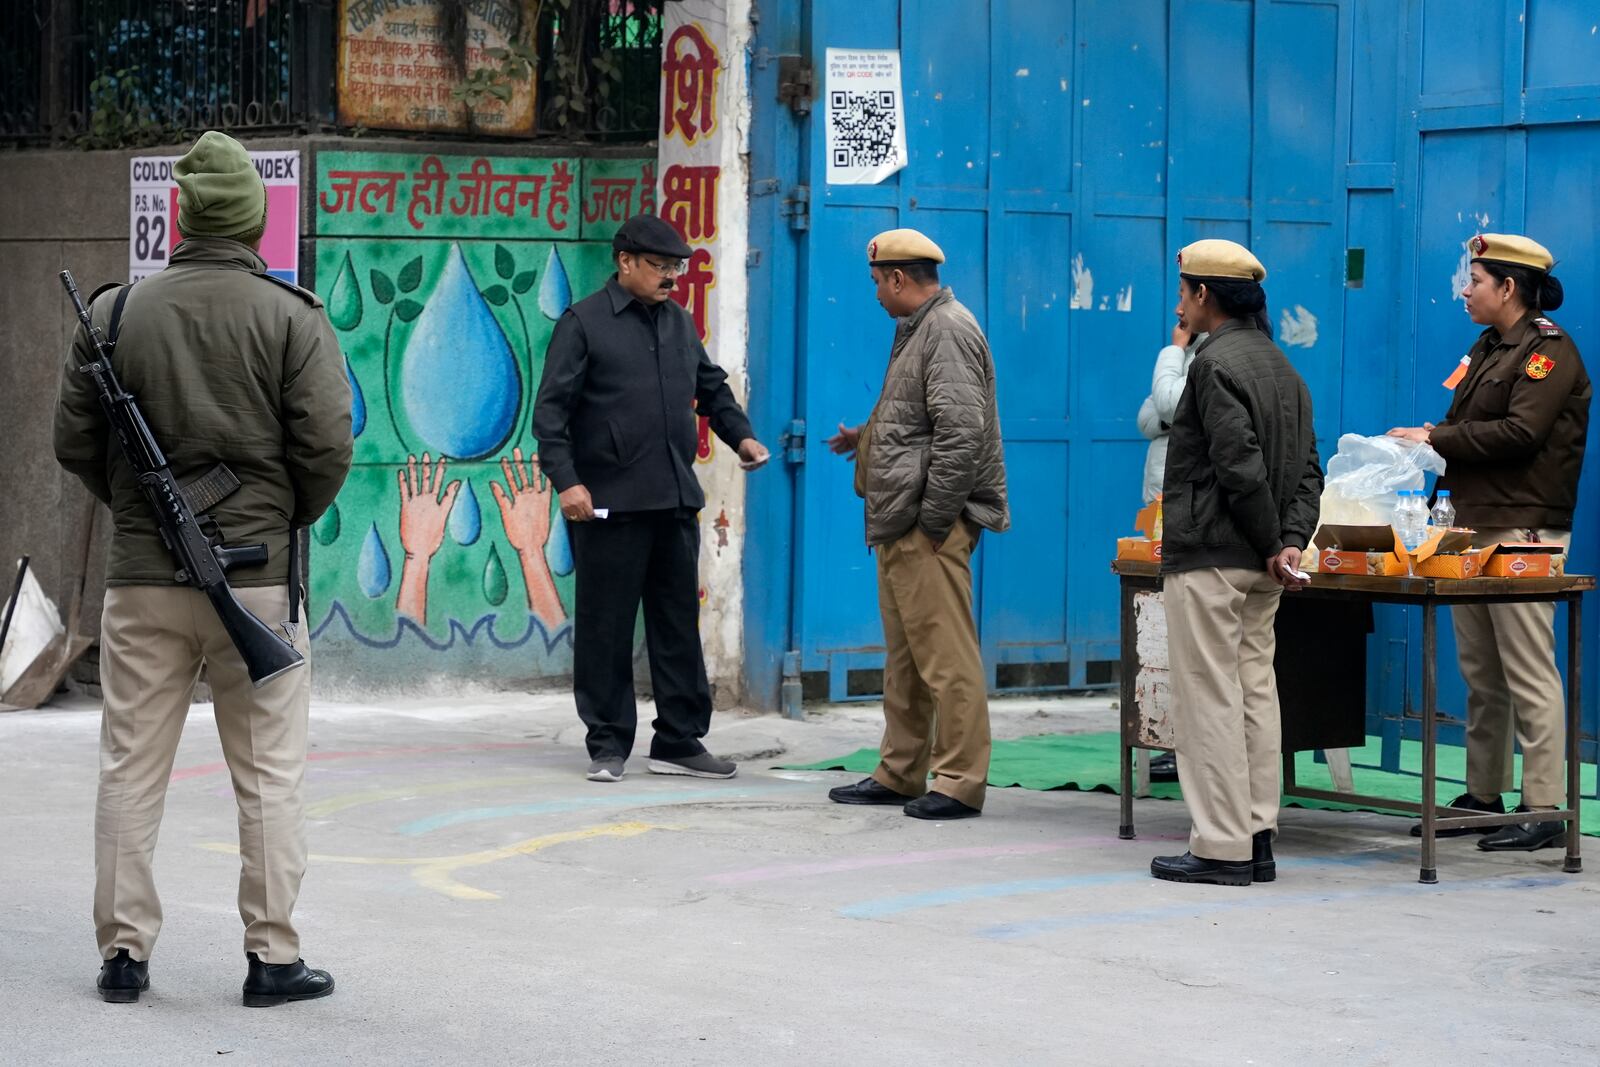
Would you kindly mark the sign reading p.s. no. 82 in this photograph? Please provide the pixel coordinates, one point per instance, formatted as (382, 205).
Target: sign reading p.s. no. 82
(154, 227)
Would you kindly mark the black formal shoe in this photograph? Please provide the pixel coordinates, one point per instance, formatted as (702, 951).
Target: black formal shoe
(866, 791)
(1191, 868)
(1164, 768)
(940, 808)
(1526, 836)
(1470, 803)
(1263, 868)
(123, 978)
(269, 984)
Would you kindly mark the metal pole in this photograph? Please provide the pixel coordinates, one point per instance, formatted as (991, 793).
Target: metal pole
(1430, 754)
(1129, 713)
(1574, 863)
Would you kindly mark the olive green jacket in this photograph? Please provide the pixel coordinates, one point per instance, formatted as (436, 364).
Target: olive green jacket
(228, 366)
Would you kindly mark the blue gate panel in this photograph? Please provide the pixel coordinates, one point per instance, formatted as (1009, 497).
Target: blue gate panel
(1563, 45)
(1463, 52)
(946, 81)
(1036, 104)
(1211, 108)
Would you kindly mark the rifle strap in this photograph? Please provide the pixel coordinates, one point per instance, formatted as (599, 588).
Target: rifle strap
(115, 326)
(294, 576)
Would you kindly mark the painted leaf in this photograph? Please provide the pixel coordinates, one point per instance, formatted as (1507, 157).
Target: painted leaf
(411, 275)
(496, 295)
(382, 287)
(524, 282)
(504, 265)
(407, 310)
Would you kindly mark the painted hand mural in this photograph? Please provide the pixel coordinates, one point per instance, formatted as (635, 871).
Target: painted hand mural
(443, 297)
(525, 512)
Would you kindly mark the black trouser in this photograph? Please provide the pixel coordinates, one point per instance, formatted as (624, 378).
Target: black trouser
(656, 555)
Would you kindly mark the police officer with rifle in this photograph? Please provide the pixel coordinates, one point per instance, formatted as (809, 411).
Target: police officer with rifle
(208, 407)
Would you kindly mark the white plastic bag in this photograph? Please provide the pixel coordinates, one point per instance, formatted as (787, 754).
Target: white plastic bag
(33, 625)
(1366, 473)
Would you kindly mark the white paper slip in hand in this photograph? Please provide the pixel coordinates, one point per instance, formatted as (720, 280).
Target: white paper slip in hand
(602, 513)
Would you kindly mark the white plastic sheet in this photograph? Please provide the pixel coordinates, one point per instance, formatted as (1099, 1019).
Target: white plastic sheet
(1366, 473)
(34, 624)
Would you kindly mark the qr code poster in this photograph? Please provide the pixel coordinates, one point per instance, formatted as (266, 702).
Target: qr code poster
(866, 116)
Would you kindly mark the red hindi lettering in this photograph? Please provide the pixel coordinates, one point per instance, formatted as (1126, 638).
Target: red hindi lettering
(430, 180)
(693, 291)
(473, 198)
(560, 186)
(647, 189)
(689, 81)
(689, 200)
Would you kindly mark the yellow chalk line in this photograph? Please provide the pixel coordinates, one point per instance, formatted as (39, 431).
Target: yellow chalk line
(435, 872)
(375, 796)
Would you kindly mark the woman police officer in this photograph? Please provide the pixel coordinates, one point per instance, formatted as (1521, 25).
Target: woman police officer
(1513, 445)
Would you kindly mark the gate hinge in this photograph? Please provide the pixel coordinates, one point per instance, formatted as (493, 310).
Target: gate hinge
(796, 207)
(797, 83)
(793, 441)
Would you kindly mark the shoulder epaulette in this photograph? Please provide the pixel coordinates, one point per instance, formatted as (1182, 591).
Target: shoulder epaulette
(304, 294)
(1546, 327)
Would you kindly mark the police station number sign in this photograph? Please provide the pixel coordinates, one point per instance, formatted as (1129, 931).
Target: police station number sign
(153, 213)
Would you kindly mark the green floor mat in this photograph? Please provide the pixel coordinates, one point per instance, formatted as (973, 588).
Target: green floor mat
(1089, 761)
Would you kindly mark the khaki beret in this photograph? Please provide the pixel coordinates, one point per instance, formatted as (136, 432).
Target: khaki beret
(219, 192)
(1216, 258)
(1511, 248)
(893, 248)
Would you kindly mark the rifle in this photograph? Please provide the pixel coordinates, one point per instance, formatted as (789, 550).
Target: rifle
(202, 560)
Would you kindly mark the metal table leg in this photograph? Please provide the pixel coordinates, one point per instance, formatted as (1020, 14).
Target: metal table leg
(1430, 753)
(1574, 863)
(1127, 713)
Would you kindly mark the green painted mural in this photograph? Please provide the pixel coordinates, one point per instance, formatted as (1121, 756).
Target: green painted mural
(443, 277)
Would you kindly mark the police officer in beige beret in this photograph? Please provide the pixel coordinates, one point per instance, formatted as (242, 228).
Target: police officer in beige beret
(1513, 444)
(1241, 495)
(231, 366)
(930, 466)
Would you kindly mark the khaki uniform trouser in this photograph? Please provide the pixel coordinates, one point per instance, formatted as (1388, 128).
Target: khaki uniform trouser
(1507, 654)
(935, 690)
(1224, 713)
(152, 644)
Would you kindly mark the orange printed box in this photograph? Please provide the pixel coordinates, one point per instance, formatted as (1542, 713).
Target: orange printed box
(1447, 554)
(1139, 548)
(1360, 550)
(1513, 560)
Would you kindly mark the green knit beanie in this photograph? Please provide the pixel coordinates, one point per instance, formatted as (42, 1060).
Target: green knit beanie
(219, 192)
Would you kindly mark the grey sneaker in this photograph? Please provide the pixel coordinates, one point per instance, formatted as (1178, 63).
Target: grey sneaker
(605, 770)
(703, 765)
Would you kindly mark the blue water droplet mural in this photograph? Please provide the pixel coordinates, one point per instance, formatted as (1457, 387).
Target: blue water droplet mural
(372, 570)
(555, 292)
(558, 548)
(459, 380)
(466, 518)
(495, 583)
(358, 402)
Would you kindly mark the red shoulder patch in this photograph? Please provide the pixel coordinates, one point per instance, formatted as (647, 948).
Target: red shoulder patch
(1539, 366)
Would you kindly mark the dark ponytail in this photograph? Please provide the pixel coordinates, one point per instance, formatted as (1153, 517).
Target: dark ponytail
(1239, 298)
(1537, 290)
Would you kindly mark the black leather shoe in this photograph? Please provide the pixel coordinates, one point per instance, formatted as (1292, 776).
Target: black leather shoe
(1164, 768)
(1191, 868)
(866, 791)
(269, 984)
(1526, 836)
(940, 808)
(1263, 868)
(123, 978)
(1470, 803)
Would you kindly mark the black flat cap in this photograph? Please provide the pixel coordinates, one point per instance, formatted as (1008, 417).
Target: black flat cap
(647, 233)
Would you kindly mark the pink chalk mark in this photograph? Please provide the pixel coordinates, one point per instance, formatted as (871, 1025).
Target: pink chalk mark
(904, 859)
(203, 769)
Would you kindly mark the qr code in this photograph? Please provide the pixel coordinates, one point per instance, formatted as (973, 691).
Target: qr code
(863, 127)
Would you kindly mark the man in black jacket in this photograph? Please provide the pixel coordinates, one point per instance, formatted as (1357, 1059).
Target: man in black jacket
(1241, 494)
(624, 375)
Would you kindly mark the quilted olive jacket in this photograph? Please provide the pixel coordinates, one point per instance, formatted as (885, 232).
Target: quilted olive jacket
(931, 452)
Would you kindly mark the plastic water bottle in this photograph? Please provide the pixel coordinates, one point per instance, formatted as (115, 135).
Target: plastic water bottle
(1411, 518)
(1444, 512)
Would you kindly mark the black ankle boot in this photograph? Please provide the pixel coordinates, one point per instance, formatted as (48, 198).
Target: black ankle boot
(1262, 866)
(268, 984)
(123, 978)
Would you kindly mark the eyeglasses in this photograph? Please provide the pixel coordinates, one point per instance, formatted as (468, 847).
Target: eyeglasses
(669, 268)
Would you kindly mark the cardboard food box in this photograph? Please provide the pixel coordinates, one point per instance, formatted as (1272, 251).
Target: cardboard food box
(1448, 554)
(1514, 560)
(1139, 548)
(1360, 550)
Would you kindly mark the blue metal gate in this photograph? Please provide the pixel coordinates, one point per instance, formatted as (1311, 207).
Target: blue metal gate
(1061, 153)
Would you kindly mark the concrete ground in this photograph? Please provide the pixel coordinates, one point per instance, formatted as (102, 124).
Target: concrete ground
(480, 902)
